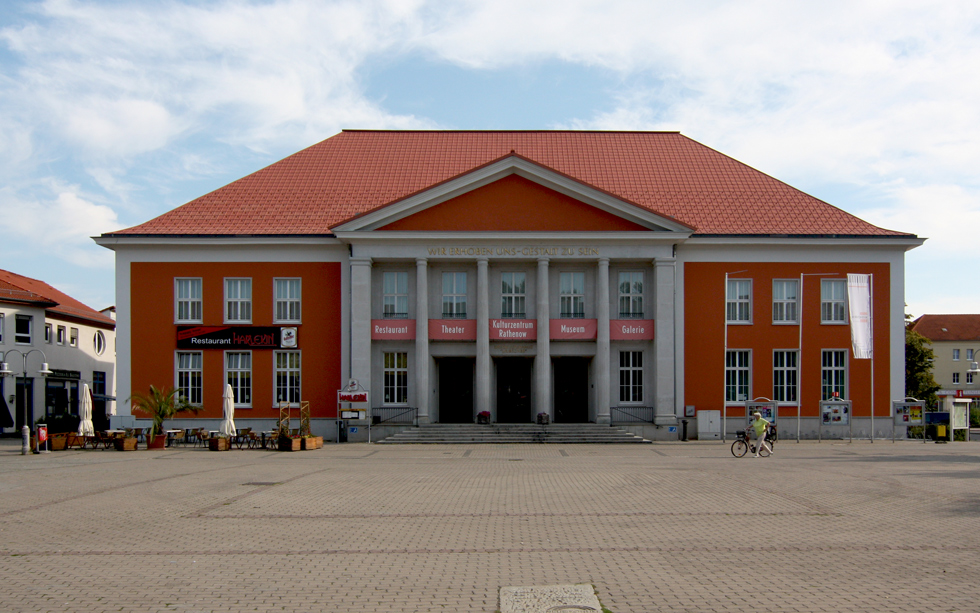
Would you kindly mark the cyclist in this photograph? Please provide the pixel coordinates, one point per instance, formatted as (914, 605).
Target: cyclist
(761, 427)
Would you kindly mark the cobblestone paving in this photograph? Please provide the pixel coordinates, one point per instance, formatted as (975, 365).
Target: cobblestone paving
(668, 527)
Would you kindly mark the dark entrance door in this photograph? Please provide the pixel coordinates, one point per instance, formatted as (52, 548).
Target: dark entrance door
(571, 390)
(514, 390)
(456, 390)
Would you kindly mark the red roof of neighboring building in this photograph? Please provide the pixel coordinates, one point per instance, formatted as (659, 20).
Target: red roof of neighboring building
(948, 327)
(19, 289)
(358, 171)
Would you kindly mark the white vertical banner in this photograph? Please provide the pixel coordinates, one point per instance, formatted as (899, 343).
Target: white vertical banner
(859, 305)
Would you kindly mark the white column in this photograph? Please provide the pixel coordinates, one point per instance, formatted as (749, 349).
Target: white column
(482, 336)
(360, 322)
(422, 358)
(602, 344)
(664, 341)
(542, 361)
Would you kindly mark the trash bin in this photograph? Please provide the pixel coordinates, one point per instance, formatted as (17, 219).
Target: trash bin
(341, 430)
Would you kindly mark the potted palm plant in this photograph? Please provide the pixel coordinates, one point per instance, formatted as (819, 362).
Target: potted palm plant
(161, 404)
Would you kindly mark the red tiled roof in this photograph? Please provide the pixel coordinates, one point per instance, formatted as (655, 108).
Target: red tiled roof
(24, 290)
(357, 171)
(948, 327)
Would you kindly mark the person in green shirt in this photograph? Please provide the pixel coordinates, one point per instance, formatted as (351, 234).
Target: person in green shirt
(761, 427)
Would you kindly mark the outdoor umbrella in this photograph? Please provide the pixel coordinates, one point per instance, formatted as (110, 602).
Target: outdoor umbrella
(85, 426)
(228, 421)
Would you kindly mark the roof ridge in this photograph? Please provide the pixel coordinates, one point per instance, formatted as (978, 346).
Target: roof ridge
(478, 131)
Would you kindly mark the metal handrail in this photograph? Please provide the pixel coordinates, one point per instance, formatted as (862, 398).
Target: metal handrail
(456, 315)
(396, 415)
(394, 315)
(632, 415)
(631, 315)
(513, 315)
(572, 315)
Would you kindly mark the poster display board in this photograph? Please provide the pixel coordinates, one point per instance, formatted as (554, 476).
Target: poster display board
(908, 413)
(835, 413)
(961, 416)
(766, 407)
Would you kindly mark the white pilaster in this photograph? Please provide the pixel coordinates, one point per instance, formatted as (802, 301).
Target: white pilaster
(602, 344)
(542, 361)
(360, 322)
(482, 336)
(664, 270)
(422, 358)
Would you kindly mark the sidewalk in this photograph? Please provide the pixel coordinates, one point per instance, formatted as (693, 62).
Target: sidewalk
(667, 527)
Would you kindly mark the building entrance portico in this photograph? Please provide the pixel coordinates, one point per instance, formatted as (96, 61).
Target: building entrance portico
(571, 390)
(514, 390)
(456, 390)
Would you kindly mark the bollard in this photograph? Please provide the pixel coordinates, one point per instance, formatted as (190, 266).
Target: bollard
(25, 434)
(684, 430)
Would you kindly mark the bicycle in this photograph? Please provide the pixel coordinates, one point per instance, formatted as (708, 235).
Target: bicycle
(742, 445)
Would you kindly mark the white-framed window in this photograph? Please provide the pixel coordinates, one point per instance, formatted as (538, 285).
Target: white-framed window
(737, 375)
(833, 301)
(394, 295)
(956, 378)
(238, 374)
(833, 374)
(631, 295)
(395, 374)
(48, 335)
(785, 376)
(238, 300)
(631, 376)
(188, 294)
(969, 378)
(24, 329)
(73, 337)
(454, 295)
(571, 289)
(289, 300)
(190, 375)
(62, 334)
(969, 355)
(98, 342)
(785, 297)
(288, 372)
(513, 295)
(956, 354)
(738, 301)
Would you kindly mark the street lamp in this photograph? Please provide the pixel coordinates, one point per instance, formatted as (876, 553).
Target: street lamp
(25, 431)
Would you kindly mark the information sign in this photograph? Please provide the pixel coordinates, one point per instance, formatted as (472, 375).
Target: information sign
(766, 408)
(908, 413)
(835, 412)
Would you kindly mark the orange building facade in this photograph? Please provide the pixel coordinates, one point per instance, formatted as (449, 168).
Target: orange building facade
(636, 279)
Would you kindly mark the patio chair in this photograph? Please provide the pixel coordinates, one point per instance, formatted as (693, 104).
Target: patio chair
(177, 439)
(202, 436)
(254, 440)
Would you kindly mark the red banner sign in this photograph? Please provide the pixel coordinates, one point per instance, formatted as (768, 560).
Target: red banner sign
(452, 329)
(573, 329)
(359, 396)
(392, 329)
(631, 329)
(513, 329)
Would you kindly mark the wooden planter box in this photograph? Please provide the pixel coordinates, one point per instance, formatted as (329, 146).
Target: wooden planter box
(124, 444)
(313, 442)
(58, 442)
(290, 444)
(219, 444)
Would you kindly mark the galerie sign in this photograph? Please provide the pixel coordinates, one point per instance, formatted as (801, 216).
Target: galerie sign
(235, 337)
(631, 329)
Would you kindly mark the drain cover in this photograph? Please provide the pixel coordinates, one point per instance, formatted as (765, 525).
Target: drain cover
(549, 599)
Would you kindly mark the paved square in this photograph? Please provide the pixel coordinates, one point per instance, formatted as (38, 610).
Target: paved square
(357, 527)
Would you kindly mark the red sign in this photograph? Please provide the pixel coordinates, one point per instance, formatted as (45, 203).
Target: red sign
(392, 329)
(452, 329)
(230, 337)
(573, 329)
(631, 329)
(352, 396)
(42, 434)
(513, 329)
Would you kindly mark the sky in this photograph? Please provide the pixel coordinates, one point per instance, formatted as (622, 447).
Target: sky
(113, 112)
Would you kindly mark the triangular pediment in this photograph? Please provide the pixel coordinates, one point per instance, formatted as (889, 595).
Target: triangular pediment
(512, 194)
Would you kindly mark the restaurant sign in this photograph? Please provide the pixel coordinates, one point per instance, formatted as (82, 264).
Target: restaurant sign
(235, 337)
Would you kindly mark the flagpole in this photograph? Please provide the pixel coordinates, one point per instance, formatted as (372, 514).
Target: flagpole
(871, 316)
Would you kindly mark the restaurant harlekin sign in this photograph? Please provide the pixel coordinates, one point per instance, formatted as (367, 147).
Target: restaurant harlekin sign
(235, 337)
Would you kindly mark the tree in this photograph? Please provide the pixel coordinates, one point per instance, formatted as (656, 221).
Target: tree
(919, 382)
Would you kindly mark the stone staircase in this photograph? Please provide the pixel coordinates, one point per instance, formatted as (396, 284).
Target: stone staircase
(464, 434)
